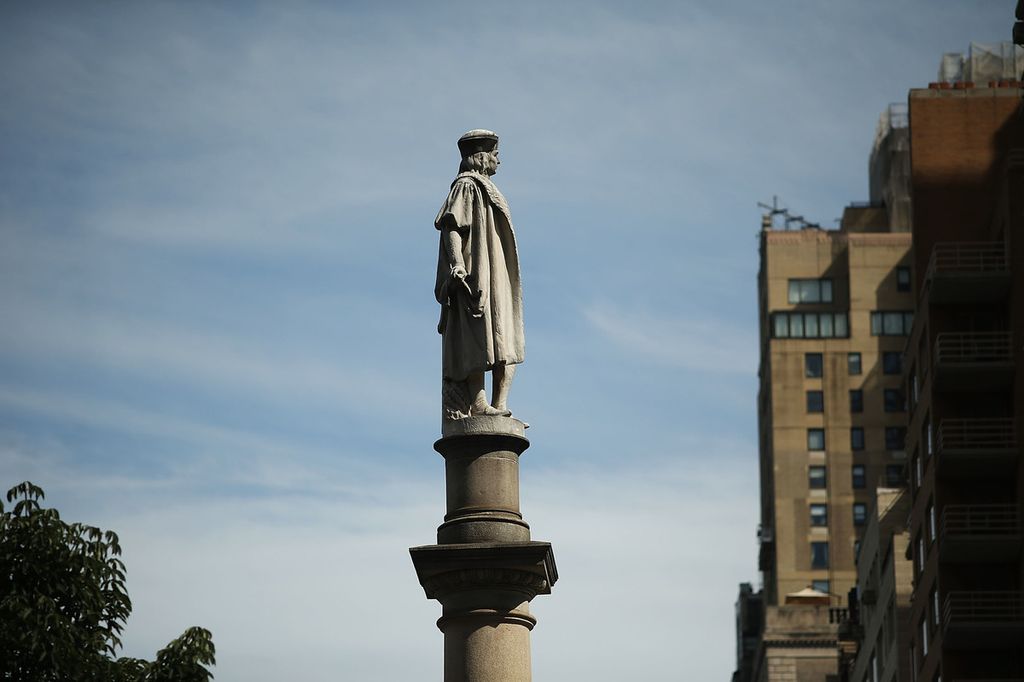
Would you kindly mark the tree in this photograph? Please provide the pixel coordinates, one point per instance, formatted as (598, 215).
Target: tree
(63, 604)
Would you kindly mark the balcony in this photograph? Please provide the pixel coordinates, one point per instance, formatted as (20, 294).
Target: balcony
(967, 272)
(979, 533)
(973, 361)
(976, 448)
(983, 621)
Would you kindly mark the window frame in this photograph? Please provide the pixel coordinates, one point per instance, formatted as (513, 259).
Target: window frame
(893, 400)
(860, 514)
(818, 286)
(901, 431)
(903, 283)
(858, 477)
(824, 477)
(815, 432)
(888, 358)
(891, 322)
(808, 369)
(818, 402)
(819, 555)
(857, 438)
(790, 324)
(854, 360)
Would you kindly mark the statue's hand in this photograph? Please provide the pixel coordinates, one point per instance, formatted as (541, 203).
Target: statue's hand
(459, 272)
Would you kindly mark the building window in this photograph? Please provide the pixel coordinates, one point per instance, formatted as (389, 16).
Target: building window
(920, 554)
(894, 475)
(815, 439)
(816, 477)
(813, 365)
(894, 400)
(786, 325)
(892, 362)
(820, 585)
(819, 515)
(857, 438)
(858, 477)
(918, 472)
(857, 401)
(927, 428)
(936, 614)
(819, 555)
(891, 322)
(902, 278)
(815, 401)
(860, 513)
(924, 637)
(853, 363)
(931, 521)
(895, 437)
(810, 291)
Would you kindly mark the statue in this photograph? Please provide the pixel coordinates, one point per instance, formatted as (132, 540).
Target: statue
(478, 286)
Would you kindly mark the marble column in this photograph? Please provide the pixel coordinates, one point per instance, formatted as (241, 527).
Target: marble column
(484, 569)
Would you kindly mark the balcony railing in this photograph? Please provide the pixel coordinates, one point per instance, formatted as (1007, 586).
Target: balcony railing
(967, 258)
(976, 448)
(997, 433)
(966, 272)
(979, 533)
(973, 348)
(838, 614)
(983, 608)
(980, 520)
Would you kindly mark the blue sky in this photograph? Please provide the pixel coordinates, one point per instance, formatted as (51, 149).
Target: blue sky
(218, 327)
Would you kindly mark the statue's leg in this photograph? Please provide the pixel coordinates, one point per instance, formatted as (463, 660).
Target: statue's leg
(476, 393)
(502, 380)
(479, 405)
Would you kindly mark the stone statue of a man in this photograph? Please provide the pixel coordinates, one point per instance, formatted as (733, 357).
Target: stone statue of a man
(478, 286)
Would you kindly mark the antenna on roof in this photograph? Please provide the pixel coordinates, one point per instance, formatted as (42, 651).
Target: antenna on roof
(768, 218)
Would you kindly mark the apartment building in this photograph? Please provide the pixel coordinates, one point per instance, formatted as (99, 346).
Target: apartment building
(836, 308)
(964, 368)
(880, 631)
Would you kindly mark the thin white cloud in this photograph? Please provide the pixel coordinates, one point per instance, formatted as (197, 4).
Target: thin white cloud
(211, 453)
(227, 363)
(696, 344)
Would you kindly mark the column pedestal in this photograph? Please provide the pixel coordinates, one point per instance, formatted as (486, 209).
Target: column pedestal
(484, 570)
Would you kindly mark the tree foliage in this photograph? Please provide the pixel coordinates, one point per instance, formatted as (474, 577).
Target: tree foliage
(63, 604)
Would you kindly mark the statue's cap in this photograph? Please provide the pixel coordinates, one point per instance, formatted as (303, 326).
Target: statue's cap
(478, 140)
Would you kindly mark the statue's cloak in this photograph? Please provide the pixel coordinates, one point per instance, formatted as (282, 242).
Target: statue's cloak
(482, 320)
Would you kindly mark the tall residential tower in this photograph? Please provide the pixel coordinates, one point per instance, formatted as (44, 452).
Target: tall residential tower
(835, 311)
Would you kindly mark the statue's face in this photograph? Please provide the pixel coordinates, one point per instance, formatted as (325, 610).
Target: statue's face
(493, 162)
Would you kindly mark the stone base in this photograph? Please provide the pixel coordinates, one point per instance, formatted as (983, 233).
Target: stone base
(482, 481)
(485, 591)
(473, 425)
(451, 573)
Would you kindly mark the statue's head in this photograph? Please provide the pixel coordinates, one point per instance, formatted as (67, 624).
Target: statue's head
(479, 150)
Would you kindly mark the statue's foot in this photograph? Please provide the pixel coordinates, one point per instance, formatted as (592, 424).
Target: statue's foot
(488, 411)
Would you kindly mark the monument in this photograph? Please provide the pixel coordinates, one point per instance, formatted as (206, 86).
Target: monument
(484, 569)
